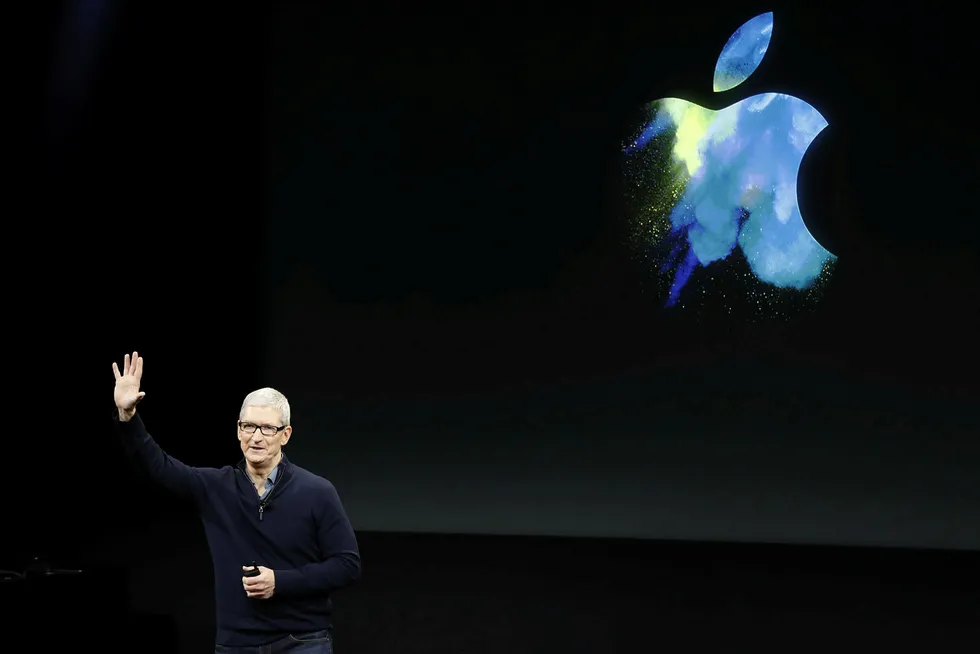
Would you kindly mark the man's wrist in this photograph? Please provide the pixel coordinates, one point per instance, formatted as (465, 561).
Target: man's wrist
(126, 416)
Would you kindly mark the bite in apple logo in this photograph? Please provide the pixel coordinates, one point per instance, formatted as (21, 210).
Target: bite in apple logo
(705, 185)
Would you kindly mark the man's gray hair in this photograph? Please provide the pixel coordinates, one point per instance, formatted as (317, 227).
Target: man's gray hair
(267, 397)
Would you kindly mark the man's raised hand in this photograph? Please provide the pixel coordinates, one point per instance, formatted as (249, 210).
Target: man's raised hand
(127, 393)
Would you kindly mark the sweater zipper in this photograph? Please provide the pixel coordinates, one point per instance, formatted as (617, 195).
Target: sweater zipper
(268, 497)
(263, 503)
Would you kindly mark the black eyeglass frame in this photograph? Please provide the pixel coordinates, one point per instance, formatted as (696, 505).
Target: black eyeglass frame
(261, 428)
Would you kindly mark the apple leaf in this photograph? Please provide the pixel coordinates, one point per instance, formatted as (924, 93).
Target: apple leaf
(743, 53)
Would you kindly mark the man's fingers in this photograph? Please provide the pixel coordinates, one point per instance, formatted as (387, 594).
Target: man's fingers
(132, 365)
(253, 592)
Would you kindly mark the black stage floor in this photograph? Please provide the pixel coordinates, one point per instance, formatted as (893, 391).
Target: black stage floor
(439, 593)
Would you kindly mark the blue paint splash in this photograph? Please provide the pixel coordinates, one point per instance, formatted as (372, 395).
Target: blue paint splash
(713, 181)
(743, 52)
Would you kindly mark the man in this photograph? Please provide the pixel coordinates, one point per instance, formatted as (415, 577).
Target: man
(266, 510)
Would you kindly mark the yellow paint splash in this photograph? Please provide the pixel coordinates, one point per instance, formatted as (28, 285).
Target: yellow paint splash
(692, 125)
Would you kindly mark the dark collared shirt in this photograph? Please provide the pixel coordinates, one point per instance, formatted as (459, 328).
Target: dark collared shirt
(271, 481)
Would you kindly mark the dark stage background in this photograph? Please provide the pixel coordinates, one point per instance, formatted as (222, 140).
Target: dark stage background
(470, 347)
(411, 222)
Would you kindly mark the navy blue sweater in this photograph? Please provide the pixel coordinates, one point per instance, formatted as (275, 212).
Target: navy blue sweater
(300, 530)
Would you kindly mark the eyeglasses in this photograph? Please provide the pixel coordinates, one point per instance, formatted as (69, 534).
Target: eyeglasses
(267, 430)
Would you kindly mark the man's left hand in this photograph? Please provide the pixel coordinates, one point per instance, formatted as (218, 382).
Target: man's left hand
(261, 586)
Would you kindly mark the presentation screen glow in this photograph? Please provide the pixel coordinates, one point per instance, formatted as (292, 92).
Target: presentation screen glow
(704, 184)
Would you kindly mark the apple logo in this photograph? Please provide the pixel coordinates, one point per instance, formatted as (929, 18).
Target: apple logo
(704, 184)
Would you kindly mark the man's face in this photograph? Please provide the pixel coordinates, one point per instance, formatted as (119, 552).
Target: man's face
(265, 443)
